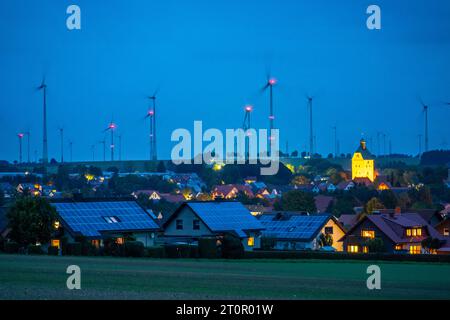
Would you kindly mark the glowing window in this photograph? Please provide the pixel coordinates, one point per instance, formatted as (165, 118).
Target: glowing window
(398, 247)
(251, 241)
(415, 250)
(366, 249)
(120, 240)
(368, 234)
(414, 232)
(56, 224)
(353, 249)
(446, 232)
(96, 243)
(56, 243)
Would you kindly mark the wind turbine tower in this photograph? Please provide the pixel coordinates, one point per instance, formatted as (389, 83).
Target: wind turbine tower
(43, 87)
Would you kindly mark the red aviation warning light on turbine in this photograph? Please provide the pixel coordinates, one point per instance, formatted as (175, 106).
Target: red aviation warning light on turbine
(111, 127)
(151, 113)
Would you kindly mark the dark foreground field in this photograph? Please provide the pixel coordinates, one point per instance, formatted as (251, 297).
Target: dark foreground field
(44, 277)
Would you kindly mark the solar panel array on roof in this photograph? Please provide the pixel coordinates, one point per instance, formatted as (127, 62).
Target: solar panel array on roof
(296, 227)
(92, 218)
(226, 216)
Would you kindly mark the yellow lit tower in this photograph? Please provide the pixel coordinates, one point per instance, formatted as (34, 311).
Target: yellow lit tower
(363, 163)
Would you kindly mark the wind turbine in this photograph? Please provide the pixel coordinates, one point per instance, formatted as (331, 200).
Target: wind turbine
(247, 125)
(61, 135)
(103, 142)
(20, 136)
(28, 145)
(311, 132)
(43, 87)
(151, 113)
(269, 85)
(425, 111)
(419, 136)
(111, 127)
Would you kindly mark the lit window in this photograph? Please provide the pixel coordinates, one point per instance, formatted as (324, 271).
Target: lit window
(398, 247)
(96, 243)
(366, 249)
(56, 224)
(408, 232)
(353, 249)
(179, 224)
(120, 240)
(446, 232)
(56, 243)
(251, 241)
(414, 232)
(415, 250)
(196, 224)
(368, 234)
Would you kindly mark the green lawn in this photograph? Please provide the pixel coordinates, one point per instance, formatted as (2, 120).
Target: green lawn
(44, 277)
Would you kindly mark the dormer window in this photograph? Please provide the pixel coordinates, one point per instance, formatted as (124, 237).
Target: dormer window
(413, 232)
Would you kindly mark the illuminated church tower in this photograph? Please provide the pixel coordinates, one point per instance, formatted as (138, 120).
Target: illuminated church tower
(363, 163)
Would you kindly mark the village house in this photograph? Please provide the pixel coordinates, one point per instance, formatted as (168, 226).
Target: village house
(97, 220)
(300, 231)
(399, 232)
(195, 220)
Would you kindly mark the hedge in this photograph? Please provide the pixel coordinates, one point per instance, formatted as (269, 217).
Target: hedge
(33, 249)
(133, 249)
(52, 251)
(181, 251)
(155, 252)
(261, 254)
(74, 249)
(207, 248)
(11, 247)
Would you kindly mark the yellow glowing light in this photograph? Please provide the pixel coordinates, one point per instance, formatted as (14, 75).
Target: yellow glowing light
(217, 167)
(363, 168)
(251, 241)
(56, 224)
(89, 177)
(368, 234)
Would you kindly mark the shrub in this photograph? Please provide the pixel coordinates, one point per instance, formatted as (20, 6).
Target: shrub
(155, 252)
(73, 249)
(207, 248)
(11, 247)
(111, 248)
(181, 251)
(267, 243)
(33, 249)
(375, 245)
(134, 249)
(232, 247)
(52, 251)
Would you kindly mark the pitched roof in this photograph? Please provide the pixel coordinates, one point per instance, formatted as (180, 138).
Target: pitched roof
(322, 202)
(173, 198)
(93, 218)
(222, 216)
(293, 226)
(364, 151)
(348, 220)
(393, 226)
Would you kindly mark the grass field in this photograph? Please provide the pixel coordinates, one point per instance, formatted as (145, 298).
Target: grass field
(44, 277)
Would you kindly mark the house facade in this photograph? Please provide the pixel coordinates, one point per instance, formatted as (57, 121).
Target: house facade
(295, 231)
(363, 163)
(399, 232)
(195, 220)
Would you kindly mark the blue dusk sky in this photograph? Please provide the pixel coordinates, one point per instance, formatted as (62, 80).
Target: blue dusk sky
(209, 59)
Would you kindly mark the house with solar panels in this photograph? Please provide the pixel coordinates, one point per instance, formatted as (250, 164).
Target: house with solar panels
(299, 231)
(195, 220)
(97, 220)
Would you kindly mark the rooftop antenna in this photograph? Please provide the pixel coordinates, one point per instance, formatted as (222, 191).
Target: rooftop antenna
(20, 136)
(151, 113)
(43, 87)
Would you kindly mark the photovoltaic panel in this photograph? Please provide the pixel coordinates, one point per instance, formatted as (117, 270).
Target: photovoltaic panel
(88, 218)
(294, 227)
(226, 216)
